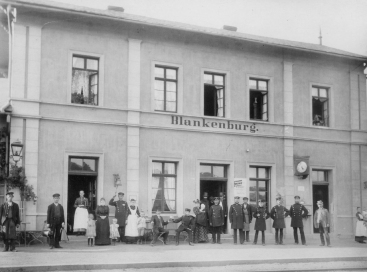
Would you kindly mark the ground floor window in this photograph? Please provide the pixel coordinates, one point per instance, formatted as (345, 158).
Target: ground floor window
(164, 184)
(259, 184)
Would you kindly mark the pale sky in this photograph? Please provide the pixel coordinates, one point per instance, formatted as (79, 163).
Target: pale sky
(343, 22)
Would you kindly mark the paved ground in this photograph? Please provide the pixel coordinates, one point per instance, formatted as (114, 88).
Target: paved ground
(76, 255)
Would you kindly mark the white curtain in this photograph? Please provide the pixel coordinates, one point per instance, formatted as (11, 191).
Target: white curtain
(220, 101)
(170, 193)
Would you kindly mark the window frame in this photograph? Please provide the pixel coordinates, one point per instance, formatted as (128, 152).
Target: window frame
(165, 67)
(84, 173)
(259, 91)
(327, 89)
(257, 179)
(162, 176)
(212, 84)
(225, 178)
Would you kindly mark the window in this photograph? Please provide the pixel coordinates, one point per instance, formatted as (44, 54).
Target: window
(2, 192)
(214, 94)
(259, 99)
(259, 184)
(320, 106)
(164, 186)
(319, 176)
(213, 171)
(83, 166)
(84, 82)
(165, 89)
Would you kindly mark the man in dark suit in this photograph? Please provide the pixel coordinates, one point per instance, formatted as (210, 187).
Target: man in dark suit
(55, 221)
(188, 225)
(216, 219)
(236, 217)
(223, 203)
(10, 211)
(158, 228)
(121, 213)
(297, 213)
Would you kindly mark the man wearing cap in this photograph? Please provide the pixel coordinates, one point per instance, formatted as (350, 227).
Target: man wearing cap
(216, 219)
(121, 213)
(55, 221)
(10, 211)
(322, 222)
(187, 224)
(297, 213)
(261, 214)
(247, 212)
(224, 205)
(278, 213)
(237, 219)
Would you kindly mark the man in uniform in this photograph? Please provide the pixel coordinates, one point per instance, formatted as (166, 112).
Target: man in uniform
(297, 213)
(224, 205)
(278, 213)
(188, 225)
(121, 213)
(216, 219)
(10, 211)
(236, 217)
(55, 221)
(261, 214)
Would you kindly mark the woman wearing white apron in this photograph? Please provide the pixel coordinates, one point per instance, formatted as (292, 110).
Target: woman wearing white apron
(361, 230)
(131, 230)
(81, 214)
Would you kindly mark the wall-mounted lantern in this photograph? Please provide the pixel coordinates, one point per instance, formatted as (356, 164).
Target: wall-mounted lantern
(16, 151)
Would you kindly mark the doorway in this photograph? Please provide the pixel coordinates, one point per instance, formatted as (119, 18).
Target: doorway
(320, 192)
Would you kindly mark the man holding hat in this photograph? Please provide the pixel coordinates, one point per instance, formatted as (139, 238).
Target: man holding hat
(261, 214)
(237, 219)
(10, 211)
(187, 224)
(247, 212)
(278, 213)
(322, 222)
(121, 213)
(55, 221)
(216, 219)
(297, 213)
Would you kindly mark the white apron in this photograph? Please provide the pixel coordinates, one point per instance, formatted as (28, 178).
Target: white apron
(131, 230)
(80, 219)
(361, 229)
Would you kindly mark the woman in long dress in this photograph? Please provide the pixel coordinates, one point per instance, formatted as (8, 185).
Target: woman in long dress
(81, 214)
(361, 230)
(200, 231)
(102, 224)
(131, 229)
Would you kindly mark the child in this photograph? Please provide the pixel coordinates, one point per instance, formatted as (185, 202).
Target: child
(141, 227)
(260, 225)
(321, 222)
(114, 231)
(91, 229)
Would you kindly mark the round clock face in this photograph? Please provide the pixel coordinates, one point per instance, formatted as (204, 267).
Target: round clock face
(301, 167)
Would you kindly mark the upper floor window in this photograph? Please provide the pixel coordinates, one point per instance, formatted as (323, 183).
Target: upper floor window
(165, 89)
(320, 106)
(214, 94)
(259, 99)
(84, 82)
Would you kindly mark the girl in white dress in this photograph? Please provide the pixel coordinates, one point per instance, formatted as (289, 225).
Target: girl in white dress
(131, 230)
(114, 231)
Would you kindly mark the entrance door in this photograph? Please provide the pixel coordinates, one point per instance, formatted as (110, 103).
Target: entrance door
(82, 177)
(320, 190)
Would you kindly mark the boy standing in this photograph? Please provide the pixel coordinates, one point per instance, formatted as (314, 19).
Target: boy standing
(322, 222)
(260, 225)
(216, 219)
(236, 217)
(188, 225)
(278, 213)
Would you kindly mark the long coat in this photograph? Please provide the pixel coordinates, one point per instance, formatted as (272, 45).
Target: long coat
(187, 222)
(121, 212)
(249, 209)
(297, 212)
(216, 216)
(236, 216)
(278, 213)
(261, 215)
(9, 224)
(51, 215)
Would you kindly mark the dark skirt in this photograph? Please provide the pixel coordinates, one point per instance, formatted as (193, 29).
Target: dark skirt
(200, 234)
(103, 231)
(359, 239)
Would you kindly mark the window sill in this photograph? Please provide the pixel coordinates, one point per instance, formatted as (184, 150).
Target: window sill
(322, 127)
(85, 105)
(259, 121)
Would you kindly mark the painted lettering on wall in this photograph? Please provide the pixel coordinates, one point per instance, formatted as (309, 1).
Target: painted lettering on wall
(181, 121)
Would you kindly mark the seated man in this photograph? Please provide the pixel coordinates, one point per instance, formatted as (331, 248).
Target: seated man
(158, 229)
(188, 225)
